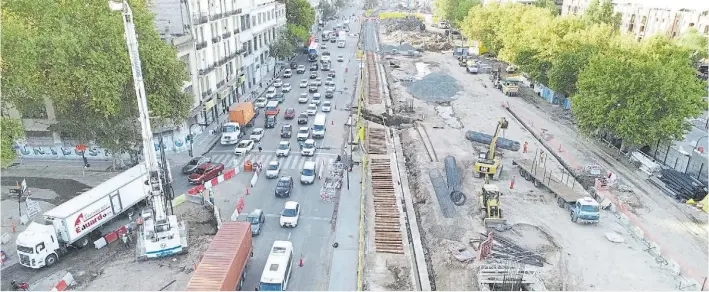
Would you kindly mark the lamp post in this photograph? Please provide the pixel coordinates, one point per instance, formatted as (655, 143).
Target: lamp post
(696, 145)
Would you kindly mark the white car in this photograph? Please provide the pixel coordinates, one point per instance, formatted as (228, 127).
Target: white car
(308, 148)
(273, 170)
(303, 83)
(316, 99)
(271, 92)
(331, 88)
(290, 214)
(244, 147)
(261, 102)
(303, 134)
(318, 81)
(257, 134)
(277, 83)
(312, 109)
(340, 59)
(288, 73)
(286, 87)
(329, 81)
(325, 106)
(283, 149)
(303, 98)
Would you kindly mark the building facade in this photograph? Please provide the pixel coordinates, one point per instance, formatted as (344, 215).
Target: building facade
(651, 17)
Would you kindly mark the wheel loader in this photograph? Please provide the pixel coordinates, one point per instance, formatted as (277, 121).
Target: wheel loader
(491, 206)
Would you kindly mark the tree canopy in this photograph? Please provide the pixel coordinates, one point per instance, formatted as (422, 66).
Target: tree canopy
(10, 130)
(74, 53)
(340, 3)
(639, 91)
(280, 49)
(300, 17)
(454, 10)
(327, 8)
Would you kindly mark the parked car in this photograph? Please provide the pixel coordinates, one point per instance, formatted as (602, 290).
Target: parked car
(290, 214)
(277, 83)
(283, 149)
(195, 163)
(257, 219)
(301, 69)
(257, 134)
(316, 99)
(286, 87)
(340, 59)
(244, 147)
(326, 106)
(286, 131)
(303, 119)
(284, 186)
(270, 92)
(288, 73)
(303, 98)
(261, 102)
(205, 172)
(273, 170)
(303, 83)
(289, 114)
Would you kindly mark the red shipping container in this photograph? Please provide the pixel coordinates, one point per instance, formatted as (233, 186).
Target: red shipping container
(111, 237)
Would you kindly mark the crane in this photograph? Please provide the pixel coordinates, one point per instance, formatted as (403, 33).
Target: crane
(488, 164)
(161, 234)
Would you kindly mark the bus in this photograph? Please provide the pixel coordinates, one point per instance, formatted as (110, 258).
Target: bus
(319, 125)
(313, 52)
(279, 265)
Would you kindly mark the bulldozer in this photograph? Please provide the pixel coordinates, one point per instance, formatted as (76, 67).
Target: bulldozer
(489, 163)
(490, 205)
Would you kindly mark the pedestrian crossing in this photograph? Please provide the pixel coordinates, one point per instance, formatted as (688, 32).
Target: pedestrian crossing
(293, 161)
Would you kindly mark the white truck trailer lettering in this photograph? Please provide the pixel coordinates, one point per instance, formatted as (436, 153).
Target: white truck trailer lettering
(71, 223)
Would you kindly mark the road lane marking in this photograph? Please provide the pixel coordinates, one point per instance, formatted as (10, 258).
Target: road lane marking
(289, 235)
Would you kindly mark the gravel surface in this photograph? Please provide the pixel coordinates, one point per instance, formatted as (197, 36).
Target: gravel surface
(435, 87)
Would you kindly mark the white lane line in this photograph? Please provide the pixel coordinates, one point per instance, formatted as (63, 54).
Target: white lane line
(289, 235)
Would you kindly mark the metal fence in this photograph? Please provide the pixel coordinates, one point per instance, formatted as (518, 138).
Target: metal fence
(693, 163)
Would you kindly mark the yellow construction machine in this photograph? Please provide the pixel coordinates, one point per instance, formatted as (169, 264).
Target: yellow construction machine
(490, 205)
(488, 163)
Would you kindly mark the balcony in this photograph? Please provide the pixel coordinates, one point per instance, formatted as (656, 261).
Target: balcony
(226, 35)
(200, 18)
(234, 12)
(237, 31)
(207, 70)
(220, 84)
(206, 94)
(216, 16)
(201, 45)
(216, 39)
(241, 51)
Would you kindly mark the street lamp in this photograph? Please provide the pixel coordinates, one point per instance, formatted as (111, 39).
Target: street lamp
(696, 145)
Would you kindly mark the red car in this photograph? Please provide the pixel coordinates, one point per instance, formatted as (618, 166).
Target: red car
(290, 114)
(205, 172)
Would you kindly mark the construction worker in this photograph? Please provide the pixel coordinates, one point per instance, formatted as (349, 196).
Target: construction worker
(124, 238)
(259, 148)
(524, 147)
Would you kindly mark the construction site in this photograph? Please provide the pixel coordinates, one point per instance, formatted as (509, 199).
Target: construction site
(479, 188)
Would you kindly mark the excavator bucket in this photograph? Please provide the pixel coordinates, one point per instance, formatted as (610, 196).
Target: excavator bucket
(492, 222)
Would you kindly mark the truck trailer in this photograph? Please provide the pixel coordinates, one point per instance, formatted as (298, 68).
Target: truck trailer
(241, 116)
(72, 223)
(224, 264)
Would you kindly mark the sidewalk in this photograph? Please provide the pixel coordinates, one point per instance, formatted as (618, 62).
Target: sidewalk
(345, 258)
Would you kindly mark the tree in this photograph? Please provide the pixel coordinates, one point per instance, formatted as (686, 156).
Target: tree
(640, 92)
(547, 4)
(280, 49)
(597, 12)
(327, 9)
(11, 129)
(695, 42)
(340, 3)
(298, 33)
(454, 11)
(84, 69)
(300, 13)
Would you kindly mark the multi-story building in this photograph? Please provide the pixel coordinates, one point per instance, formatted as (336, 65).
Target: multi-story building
(644, 18)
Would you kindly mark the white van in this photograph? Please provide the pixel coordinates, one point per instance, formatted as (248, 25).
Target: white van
(319, 126)
(307, 175)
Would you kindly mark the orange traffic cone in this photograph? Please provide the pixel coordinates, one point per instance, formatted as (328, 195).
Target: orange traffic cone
(512, 182)
(300, 263)
(247, 192)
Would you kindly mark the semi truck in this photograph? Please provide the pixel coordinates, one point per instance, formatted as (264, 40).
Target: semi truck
(241, 116)
(224, 264)
(313, 52)
(72, 224)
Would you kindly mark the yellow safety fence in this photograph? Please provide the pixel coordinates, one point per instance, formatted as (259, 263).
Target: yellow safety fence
(363, 186)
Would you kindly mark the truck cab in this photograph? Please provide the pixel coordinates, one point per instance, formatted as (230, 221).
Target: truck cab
(585, 210)
(231, 132)
(37, 246)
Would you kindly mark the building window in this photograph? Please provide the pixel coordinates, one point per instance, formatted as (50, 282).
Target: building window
(706, 29)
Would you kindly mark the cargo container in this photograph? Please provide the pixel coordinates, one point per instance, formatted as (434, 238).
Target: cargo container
(223, 266)
(241, 116)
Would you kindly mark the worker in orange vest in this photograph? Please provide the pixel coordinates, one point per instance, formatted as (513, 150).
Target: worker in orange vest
(524, 147)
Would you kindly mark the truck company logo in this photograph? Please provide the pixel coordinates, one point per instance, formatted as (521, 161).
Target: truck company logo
(85, 221)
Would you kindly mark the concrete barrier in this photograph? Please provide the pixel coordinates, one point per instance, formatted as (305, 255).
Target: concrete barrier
(64, 283)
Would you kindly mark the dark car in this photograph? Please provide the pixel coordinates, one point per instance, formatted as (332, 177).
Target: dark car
(314, 67)
(293, 65)
(302, 119)
(284, 187)
(257, 220)
(331, 74)
(289, 114)
(286, 131)
(206, 172)
(196, 162)
(270, 121)
(329, 93)
(313, 75)
(333, 40)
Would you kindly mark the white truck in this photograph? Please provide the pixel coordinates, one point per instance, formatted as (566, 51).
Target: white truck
(341, 39)
(71, 224)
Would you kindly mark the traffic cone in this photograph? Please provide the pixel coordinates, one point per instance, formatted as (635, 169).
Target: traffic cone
(247, 192)
(14, 227)
(512, 182)
(300, 263)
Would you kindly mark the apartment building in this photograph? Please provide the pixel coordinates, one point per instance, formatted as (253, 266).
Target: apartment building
(644, 18)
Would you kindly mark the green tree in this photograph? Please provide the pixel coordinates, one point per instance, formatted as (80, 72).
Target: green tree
(85, 70)
(327, 9)
(598, 12)
(300, 13)
(280, 49)
(547, 4)
(454, 11)
(298, 33)
(639, 92)
(695, 42)
(340, 3)
(11, 129)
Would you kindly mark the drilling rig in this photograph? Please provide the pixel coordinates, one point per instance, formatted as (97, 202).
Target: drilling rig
(160, 233)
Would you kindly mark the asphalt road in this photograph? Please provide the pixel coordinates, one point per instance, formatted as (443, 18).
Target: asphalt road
(313, 237)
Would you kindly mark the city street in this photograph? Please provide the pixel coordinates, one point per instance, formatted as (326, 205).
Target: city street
(313, 237)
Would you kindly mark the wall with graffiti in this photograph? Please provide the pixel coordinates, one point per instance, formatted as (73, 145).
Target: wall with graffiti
(174, 142)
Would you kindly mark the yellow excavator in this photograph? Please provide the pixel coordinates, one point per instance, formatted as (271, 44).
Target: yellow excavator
(488, 164)
(490, 204)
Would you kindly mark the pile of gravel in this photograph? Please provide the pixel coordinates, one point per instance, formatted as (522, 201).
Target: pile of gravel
(403, 48)
(435, 87)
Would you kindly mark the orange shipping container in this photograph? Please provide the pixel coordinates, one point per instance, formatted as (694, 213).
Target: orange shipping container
(223, 265)
(241, 113)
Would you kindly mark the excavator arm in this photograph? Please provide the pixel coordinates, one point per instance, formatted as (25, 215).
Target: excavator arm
(501, 125)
